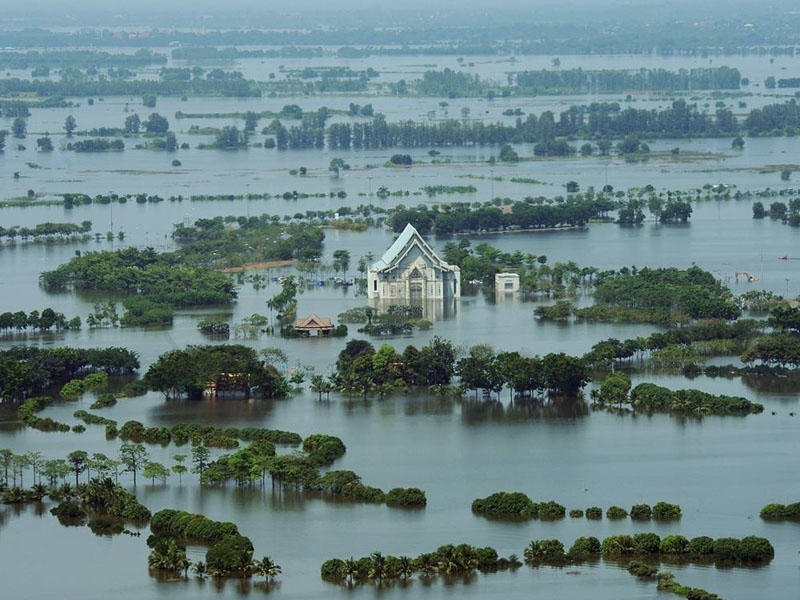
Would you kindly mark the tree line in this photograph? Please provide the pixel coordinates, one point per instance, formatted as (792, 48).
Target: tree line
(448, 560)
(104, 87)
(580, 81)
(361, 369)
(600, 121)
(45, 229)
(56, 59)
(517, 506)
(459, 84)
(35, 320)
(725, 552)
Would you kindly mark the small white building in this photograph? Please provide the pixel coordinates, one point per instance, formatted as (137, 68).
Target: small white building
(411, 270)
(506, 283)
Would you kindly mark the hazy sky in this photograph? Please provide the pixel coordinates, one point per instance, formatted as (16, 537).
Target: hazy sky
(353, 13)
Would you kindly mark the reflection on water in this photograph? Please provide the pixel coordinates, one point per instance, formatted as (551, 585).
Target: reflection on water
(521, 410)
(784, 387)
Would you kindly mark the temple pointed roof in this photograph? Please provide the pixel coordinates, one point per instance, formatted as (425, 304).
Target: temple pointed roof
(313, 322)
(405, 242)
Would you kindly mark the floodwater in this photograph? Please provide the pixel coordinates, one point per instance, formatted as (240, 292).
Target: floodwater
(720, 470)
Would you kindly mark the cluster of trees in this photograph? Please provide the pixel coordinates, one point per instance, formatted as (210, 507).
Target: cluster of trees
(75, 388)
(253, 462)
(781, 346)
(397, 319)
(651, 398)
(214, 326)
(225, 242)
(106, 504)
(725, 552)
(781, 512)
(300, 472)
(97, 145)
(482, 262)
(160, 277)
(448, 561)
(774, 119)
(780, 211)
(225, 368)
(362, 369)
(736, 334)
(463, 218)
(693, 292)
(45, 320)
(230, 554)
(141, 311)
(516, 506)
(29, 370)
(201, 437)
(451, 84)
(230, 138)
(555, 374)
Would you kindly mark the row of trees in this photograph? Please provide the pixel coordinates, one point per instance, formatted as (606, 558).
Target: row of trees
(580, 81)
(599, 121)
(83, 87)
(45, 229)
(463, 218)
(457, 84)
(45, 320)
(448, 560)
(361, 369)
(749, 551)
(516, 506)
(98, 467)
(56, 59)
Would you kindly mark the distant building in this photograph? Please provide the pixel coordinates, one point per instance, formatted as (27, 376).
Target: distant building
(411, 271)
(506, 283)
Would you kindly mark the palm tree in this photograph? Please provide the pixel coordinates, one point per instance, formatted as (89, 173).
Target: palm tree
(266, 567)
(377, 566)
(426, 564)
(350, 569)
(405, 567)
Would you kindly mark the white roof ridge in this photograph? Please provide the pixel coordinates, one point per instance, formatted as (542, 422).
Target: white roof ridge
(408, 234)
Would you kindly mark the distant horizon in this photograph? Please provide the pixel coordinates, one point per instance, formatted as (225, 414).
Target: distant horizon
(368, 14)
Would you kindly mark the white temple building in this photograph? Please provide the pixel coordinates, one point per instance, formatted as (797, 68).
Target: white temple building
(411, 271)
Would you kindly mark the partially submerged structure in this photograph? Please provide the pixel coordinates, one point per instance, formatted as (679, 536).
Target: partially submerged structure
(410, 271)
(314, 325)
(506, 283)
